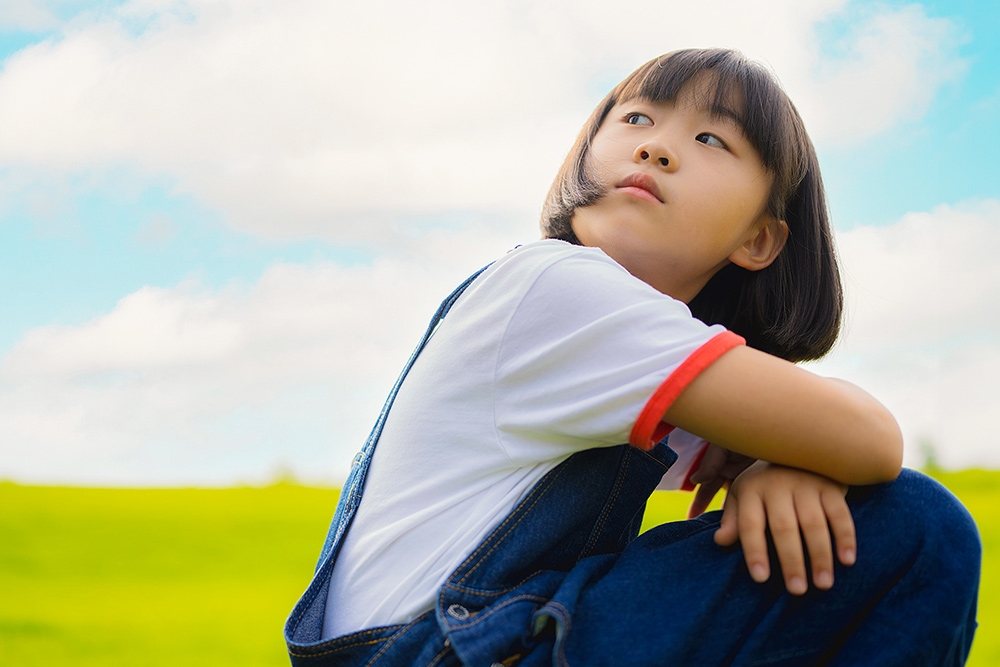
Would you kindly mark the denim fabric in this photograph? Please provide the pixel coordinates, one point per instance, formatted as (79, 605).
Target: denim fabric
(565, 580)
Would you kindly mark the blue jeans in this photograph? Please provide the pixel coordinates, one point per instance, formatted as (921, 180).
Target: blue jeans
(565, 580)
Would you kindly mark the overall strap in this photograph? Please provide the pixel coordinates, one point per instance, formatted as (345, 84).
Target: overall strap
(350, 495)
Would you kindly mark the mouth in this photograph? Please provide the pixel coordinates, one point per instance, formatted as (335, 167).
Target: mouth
(641, 186)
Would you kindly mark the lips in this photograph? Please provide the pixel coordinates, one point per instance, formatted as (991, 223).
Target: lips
(642, 186)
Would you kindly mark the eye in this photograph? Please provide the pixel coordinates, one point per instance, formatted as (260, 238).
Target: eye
(711, 140)
(638, 119)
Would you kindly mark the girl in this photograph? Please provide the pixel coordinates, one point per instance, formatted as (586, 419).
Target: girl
(687, 260)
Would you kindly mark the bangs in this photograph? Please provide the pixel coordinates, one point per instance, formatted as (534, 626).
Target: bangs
(732, 88)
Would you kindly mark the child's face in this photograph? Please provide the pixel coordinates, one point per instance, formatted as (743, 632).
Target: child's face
(686, 194)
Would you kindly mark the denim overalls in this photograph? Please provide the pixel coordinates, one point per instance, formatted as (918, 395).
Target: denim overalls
(564, 580)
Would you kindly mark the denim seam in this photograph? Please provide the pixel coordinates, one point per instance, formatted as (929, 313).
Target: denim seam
(609, 504)
(493, 610)
(436, 659)
(491, 592)
(502, 531)
(560, 646)
(341, 644)
(627, 453)
(338, 649)
(648, 455)
(396, 635)
(311, 592)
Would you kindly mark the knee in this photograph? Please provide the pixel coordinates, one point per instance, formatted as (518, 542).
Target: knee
(915, 514)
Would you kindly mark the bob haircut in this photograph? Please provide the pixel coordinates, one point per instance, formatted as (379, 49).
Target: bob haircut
(791, 309)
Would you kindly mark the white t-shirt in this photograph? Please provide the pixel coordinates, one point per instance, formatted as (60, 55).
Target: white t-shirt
(554, 349)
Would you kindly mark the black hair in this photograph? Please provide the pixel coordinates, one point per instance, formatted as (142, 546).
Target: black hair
(792, 308)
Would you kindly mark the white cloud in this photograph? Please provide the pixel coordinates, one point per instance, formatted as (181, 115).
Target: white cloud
(892, 65)
(923, 331)
(43, 16)
(185, 385)
(27, 15)
(924, 278)
(286, 117)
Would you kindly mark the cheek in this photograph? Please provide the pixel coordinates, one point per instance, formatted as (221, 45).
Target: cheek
(606, 150)
(741, 205)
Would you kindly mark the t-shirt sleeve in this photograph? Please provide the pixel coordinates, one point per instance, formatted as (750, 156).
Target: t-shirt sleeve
(593, 357)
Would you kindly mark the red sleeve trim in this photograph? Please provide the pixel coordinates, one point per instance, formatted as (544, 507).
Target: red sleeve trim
(687, 484)
(649, 418)
(661, 431)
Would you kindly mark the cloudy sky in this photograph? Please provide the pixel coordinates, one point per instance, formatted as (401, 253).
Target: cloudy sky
(223, 224)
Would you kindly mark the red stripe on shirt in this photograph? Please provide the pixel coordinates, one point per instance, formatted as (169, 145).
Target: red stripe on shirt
(645, 427)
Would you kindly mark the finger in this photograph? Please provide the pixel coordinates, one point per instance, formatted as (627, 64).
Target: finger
(838, 514)
(816, 535)
(704, 495)
(784, 525)
(753, 538)
(711, 463)
(728, 531)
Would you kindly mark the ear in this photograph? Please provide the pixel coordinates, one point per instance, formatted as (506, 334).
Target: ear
(763, 245)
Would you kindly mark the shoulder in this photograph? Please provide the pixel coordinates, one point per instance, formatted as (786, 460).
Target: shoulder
(557, 271)
(552, 293)
(571, 296)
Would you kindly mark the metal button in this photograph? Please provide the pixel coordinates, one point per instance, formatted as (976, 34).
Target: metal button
(458, 612)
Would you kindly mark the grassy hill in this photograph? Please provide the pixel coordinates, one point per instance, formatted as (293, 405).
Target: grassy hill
(206, 576)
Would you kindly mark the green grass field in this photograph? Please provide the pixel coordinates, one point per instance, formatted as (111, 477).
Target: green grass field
(206, 576)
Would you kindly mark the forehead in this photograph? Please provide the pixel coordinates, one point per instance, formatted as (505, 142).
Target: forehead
(703, 91)
(719, 97)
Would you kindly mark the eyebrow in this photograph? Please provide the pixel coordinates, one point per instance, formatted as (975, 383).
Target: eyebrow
(727, 114)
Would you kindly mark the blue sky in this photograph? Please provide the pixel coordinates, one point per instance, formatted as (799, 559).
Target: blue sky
(70, 262)
(182, 162)
(948, 154)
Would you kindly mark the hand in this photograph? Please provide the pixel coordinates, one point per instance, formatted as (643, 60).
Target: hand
(799, 507)
(717, 469)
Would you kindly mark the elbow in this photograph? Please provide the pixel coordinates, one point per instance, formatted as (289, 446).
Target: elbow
(886, 451)
(892, 463)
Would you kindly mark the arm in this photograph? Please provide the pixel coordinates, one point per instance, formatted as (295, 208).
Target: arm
(767, 408)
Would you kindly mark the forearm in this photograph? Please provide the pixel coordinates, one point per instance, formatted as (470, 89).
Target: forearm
(764, 407)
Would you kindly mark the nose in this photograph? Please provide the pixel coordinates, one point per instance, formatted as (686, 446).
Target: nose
(656, 152)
